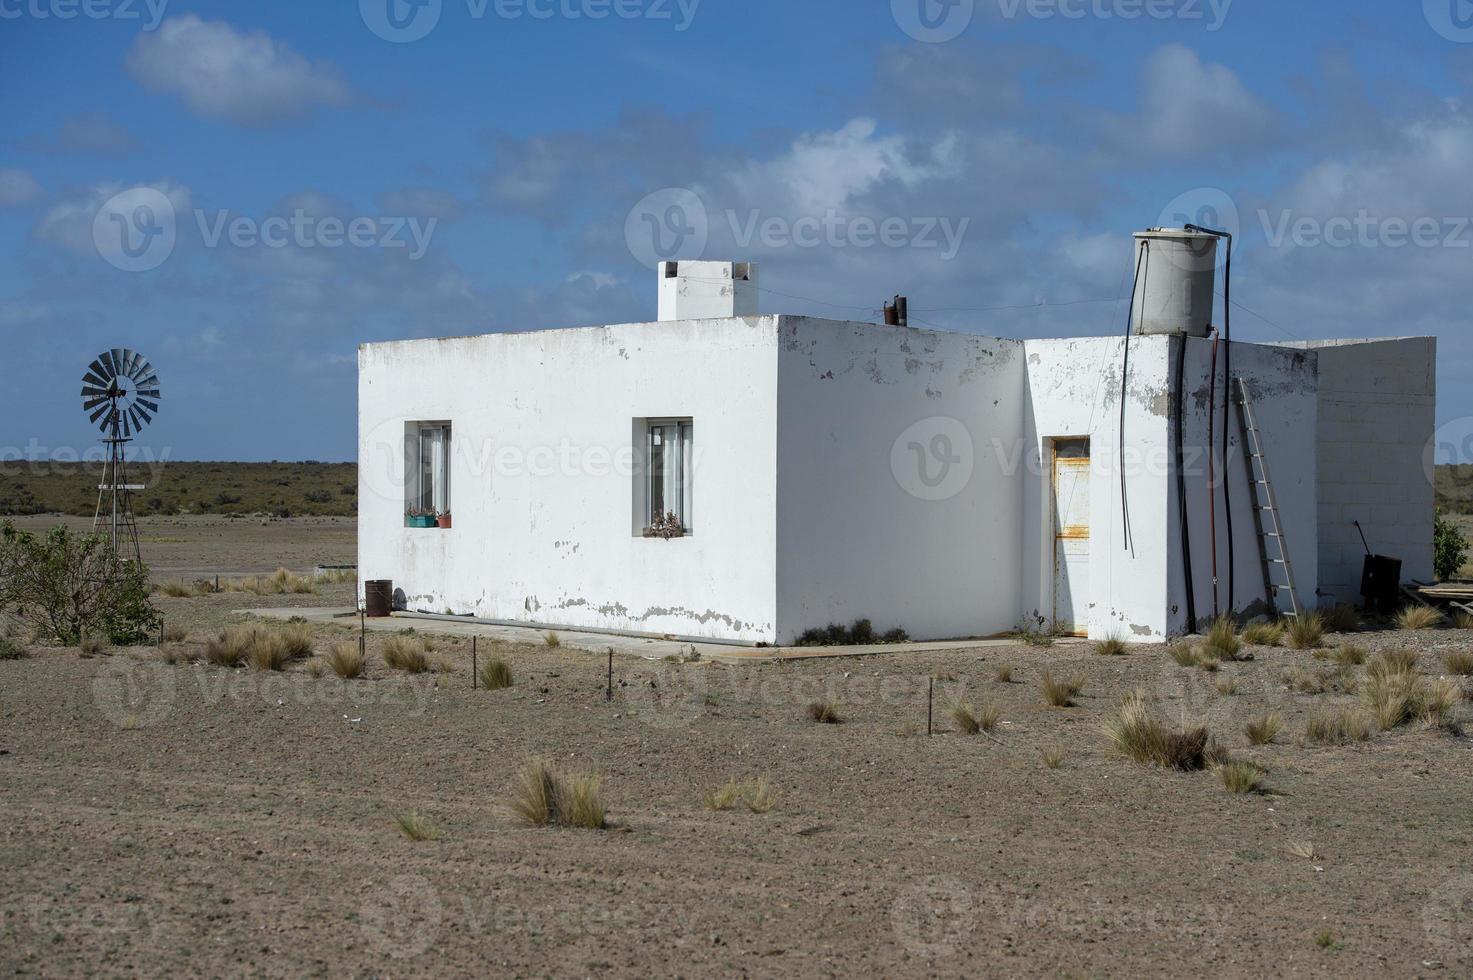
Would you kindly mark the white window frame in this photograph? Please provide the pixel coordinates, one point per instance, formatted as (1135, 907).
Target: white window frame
(677, 483)
(427, 452)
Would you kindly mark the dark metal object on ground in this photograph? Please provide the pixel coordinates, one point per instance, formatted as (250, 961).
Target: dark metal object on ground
(378, 597)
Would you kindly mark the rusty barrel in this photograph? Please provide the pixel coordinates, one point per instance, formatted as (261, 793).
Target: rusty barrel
(378, 598)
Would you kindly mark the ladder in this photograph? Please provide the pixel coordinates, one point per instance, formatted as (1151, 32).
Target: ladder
(1273, 546)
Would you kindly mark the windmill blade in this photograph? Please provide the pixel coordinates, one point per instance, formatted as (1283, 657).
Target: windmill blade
(106, 358)
(151, 380)
(142, 369)
(133, 416)
(148, 393)
(99, 369)
(130, 361)
(99, 414)
(90, 405)
(118, 361)
(89, 391)
(151, 406)
(91, 378)
(142, 413)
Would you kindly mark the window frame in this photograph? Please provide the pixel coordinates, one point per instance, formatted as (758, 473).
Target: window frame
(421, 466)
(683, 481)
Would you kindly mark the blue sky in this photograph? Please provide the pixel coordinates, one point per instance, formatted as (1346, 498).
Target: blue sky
(499, 168)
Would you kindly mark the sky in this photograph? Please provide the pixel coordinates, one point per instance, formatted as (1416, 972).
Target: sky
(246, 191)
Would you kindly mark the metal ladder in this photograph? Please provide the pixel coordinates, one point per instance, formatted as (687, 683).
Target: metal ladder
(1273, 546)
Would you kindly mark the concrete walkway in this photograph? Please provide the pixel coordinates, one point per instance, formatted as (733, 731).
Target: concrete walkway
(650, 649)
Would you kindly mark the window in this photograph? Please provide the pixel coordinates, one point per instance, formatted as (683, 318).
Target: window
(667, 477)
(427, 455)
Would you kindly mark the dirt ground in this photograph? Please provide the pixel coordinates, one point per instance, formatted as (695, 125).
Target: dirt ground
(190, 818)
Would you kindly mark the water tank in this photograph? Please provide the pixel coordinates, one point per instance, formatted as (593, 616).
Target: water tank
(1176, 276)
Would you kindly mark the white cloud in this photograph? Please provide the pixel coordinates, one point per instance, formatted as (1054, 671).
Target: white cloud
(87, 133)
(223, 73)
(1189, 109)
(17, 187)
(68, 223)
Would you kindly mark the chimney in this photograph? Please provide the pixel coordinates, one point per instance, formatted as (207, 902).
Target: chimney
(707, 290)
(897, 313)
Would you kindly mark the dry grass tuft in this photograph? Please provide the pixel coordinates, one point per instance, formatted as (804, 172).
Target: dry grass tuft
(268, 651)
(1304, 681)
(415, 827)
(1390, 662)
(279, 582)
(1302, 849)
(176, 590)
(496, 675)
(1240, 777)
(230, 648)
(1053, 756)
(1341, 619)
(1459, 662)
(1112, 646)
(316, 669)
(1338, 727)
(1263, 729)
(1304, 632)
(1223, 642)
(1264, 634)
(1349, 655)
(1463, 621)
(1226, 685)
(406, 653)
(755, 794)
(346, 661)
(91, 646)
(175, 634)
(1418, 618)
(1060, 694)
(1003, 674)
(551, 639)
(544, 797)
(298, 639)
(964, 716)
(1138, 733)
(825, 713)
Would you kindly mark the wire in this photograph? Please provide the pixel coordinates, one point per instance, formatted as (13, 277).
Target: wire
(1142, 266)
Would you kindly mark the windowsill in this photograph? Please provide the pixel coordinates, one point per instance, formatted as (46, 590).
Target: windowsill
(647, 533)
(425, 527)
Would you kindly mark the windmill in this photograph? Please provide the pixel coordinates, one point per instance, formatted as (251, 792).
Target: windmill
(120, 394)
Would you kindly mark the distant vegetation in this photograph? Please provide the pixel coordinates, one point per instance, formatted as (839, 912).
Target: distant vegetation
(1455, 488)
(275, 489)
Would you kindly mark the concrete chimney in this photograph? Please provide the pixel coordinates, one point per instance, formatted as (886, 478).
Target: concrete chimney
(707, 290)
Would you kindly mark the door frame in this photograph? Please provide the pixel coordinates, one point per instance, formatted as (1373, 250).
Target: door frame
(1054, 535)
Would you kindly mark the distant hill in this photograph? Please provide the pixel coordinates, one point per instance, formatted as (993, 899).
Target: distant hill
(280, 489)
(1455, 488)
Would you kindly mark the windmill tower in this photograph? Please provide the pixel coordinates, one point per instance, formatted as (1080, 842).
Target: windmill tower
(120, 393)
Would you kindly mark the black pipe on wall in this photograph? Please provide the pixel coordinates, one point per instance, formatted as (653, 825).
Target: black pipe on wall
(1181, 483)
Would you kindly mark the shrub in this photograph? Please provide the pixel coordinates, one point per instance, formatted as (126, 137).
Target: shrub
(860, 633)
(174, 633)
(965, 718)
(1240, 777)
(1337, 727)
(496, 675)
(1226, 685)
(1459, 662)
(65, 586)
(1184, 654)
(755, 794)
(1305, 631)
(1263, 729)
(825, 713)
(1449, 549)
(1060, 694)
(551, 639)
(268, 651)
(230, 648)
(1418, 618)
(1303, 681)
(91, 646)
(1137, 733)
(1463, 621)
(1111, 646)
(1264, 634)
(1003, 674)
(1349, 655)
(1341, 618)
(407, 654)
(543, 797)
(1053, 756)
(298, 640)
(1223, 642)
(1035, 635)
(415, 827)
(176, 590)
(10, 648)
(345, 660)
(1390, 662)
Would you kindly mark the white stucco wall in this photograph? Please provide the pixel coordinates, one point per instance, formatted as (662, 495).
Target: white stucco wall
(1377, 414)
(861, 534)
(544, 527)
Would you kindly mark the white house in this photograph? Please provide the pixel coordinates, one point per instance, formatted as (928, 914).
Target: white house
(725, 475)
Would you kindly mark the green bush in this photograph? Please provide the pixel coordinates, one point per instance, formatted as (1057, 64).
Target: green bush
(1449, 549)
(67, 586)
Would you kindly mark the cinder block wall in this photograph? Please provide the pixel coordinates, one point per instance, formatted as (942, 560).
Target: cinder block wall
(1377, 411)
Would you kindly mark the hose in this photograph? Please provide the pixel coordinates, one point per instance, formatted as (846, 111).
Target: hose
(1227, 372)
(1142, 261)
(1181, 484)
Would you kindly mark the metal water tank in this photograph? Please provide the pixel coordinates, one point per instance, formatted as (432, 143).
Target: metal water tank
(1176, 276)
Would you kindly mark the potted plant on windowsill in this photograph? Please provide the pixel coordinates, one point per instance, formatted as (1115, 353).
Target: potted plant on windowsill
(443, 520)
(414, 517)
(665, 526)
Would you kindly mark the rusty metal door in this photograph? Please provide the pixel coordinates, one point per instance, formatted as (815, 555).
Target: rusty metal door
(1071, 536)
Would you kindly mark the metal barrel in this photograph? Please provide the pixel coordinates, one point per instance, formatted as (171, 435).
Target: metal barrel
(378, 598)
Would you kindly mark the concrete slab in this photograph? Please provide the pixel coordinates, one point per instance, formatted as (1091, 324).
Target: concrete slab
(647, 648)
